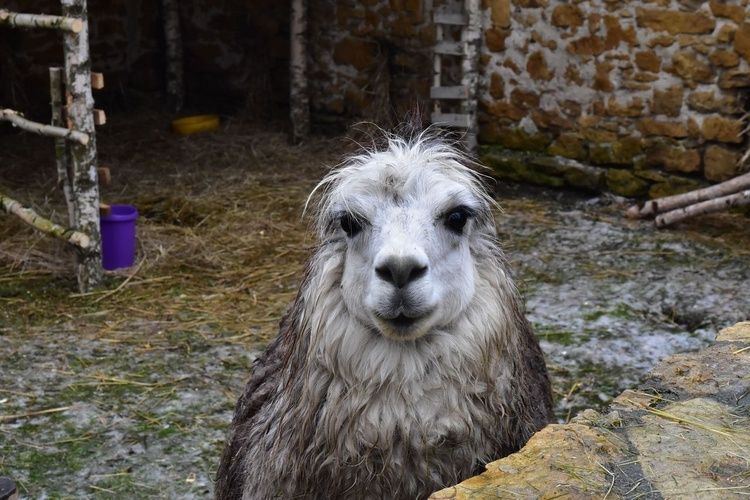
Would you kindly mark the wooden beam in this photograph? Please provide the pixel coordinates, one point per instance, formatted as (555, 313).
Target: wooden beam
(449, 48)
(100, 118)
(451, 92)
(103, 176)
(456, 120)
(97, 81)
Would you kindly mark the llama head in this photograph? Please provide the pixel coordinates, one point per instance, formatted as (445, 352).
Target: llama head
(408, 218)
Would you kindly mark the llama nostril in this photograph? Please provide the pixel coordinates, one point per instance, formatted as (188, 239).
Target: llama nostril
(400, 272)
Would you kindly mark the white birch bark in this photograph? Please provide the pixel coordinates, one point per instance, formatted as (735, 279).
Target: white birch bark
(299, 102)
(659, 205)
(36, 221)
(80, 113)
(704, 207)
(42, 129)
(40, 21)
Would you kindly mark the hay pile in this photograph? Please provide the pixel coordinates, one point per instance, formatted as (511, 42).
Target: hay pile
(221, 237)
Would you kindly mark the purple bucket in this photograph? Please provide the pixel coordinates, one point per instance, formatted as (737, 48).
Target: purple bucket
(118, 237)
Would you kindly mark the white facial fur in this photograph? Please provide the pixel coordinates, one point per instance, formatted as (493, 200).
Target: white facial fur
(408, 217)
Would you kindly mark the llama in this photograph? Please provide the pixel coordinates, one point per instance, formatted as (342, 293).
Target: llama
(406, 362)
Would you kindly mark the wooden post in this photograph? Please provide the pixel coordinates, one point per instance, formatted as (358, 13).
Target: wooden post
(84, 183)
(299, 101)
(173, 37)
(62, 150)
(471, 36)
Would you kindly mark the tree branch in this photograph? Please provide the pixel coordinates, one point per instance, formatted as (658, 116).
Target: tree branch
(36, 221)
(40, 21)
(705, 207)
(40, 128)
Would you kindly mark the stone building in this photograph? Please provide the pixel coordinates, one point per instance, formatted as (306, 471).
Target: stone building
(650, 91)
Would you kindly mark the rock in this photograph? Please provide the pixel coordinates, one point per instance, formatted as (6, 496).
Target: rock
(719, 164)
(675, 22)
(8, 490)
(625, 183)
(719, 129)
(683, 434)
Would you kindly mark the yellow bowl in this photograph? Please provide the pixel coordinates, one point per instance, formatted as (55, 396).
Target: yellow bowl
(194, 124)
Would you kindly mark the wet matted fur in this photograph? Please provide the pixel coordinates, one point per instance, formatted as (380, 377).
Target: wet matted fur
(406, 362)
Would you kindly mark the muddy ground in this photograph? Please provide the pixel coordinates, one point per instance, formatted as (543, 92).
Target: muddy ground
(128, 392)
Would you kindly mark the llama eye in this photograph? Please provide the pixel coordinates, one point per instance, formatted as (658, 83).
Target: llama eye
(350, 225)
(456, 219)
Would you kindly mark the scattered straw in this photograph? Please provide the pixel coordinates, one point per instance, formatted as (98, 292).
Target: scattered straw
(8, 418)
(682, 420)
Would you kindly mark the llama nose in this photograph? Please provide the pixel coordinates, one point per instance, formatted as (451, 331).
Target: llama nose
(401, 270)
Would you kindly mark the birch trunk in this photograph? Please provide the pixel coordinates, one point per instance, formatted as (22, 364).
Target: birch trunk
(299, 102)
(704, 207)
(84, 183)
(62, 151)
(173, 36)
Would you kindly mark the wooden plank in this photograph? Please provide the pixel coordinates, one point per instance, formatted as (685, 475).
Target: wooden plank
(450, 18)
(451, 120)
(105, 210)
(449, 48)
(103, 176)
(97, 81)
(453, 92)
(100, 117)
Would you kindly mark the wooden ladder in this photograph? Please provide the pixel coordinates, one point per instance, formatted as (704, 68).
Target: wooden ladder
(461, 98)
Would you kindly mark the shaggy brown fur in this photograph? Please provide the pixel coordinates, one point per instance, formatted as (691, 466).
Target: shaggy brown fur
(372, 389)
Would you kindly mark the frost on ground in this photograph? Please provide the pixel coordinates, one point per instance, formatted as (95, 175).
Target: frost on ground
(609, 298)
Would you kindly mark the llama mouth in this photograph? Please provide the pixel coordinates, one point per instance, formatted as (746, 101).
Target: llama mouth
(403, 322)
(401, 327)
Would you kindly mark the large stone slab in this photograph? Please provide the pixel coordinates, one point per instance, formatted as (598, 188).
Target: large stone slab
(684, 434)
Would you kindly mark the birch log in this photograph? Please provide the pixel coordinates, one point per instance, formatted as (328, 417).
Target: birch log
(299, 101)
(80, 113)
(40, 128)
(40, 21)
(36, 221)
(704, 207)
(659, 205)
(173, 37)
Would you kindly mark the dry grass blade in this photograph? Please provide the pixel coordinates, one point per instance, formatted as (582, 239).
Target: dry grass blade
(8, 418)
(726, 432)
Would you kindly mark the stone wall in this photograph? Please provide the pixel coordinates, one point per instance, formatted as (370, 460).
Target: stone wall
(371, 59)
(646, 93)
(657, 85)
